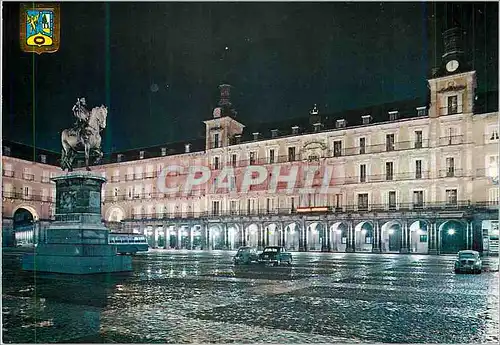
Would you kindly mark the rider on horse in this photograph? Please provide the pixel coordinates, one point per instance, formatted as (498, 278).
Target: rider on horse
(82, 118)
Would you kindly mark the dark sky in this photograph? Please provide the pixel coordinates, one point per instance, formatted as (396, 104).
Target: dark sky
(157, 65)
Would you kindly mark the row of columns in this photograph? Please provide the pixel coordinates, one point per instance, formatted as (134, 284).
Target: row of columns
(263, 236)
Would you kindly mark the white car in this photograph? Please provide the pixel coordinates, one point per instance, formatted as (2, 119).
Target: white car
(468, 261)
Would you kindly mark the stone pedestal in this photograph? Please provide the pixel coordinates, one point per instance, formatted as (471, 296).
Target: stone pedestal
(77, 241)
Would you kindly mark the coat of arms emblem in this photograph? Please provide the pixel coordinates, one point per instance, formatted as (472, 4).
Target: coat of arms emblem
(40, 28)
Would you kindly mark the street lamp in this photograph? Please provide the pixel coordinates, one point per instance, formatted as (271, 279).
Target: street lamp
(451, 232)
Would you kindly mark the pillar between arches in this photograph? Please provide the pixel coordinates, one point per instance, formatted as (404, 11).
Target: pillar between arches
(404, 238)
(376, 237)
(432, 238)
(350, 238)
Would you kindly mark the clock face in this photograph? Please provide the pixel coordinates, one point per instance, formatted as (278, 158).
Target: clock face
(452, 66)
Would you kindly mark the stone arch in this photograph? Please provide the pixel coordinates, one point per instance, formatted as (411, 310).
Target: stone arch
(274, 230)
(115, 214)
(452, 236)
(29, 208)
(292, 234)
(252, 234)
(316, 235)
(235, 235)
(419, 236)
(391, 233)
(339, 236)
(216, 235)
(364, 233)
(24, 219)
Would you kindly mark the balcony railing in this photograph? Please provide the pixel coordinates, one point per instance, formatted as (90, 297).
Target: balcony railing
(436, 206)
(28, 177)
(451, 110)
(215, 144)
(8, 173)
(451, 172)
(22, 196)
(451, 140)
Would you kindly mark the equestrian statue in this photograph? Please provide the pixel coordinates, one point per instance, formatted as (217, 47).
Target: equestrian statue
(84, 136)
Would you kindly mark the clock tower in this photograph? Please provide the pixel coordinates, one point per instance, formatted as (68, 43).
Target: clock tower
(453, 56)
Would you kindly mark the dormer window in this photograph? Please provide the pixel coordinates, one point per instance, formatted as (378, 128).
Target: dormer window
(366, 119)
(393, 115)
(340, 123)
(6, 151)
(119, 157)
(317, 127)
(187, 148)
(43, 158)
(421, 111)
(256, 135)
(295, 130)
(141, 154)
(274, 133)
(163, 151)
(237, 138)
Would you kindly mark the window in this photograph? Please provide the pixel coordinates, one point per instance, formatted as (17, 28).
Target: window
(6, 150)
(493, 133)
(362, 173)
(252, 158)
(26, 192)
(421, 111)
(274, 133)
(249, 208)
(215, 207)
(366, 119)
(338, 201)
(423, 238)
(233, 206)
(291, 154)
(271, 156)
(163, 151)
(317, 127)
(418, 139)
(368, 240)
(392, 200)
(115, 192)
(418, 169)
(43, 158)
(451, 197)
(295, 130)
(45, 194)
(233, 160)
(492, 168)
(362, 146)
(389, 171)
(268, 205)
(450, 167)
(215, 143)
(216, 163)
(393, 115)
(363, 201)
(337, 148)
(292, 203)
(141, 154)
(452, 105)
(494, 196)
(418, 198)
(389, 142)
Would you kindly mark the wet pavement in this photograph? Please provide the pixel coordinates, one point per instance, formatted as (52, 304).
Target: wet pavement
(200, 297)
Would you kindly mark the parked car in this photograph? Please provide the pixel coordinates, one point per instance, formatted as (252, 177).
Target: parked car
(275, 255)
(468, 261)
(246, 255)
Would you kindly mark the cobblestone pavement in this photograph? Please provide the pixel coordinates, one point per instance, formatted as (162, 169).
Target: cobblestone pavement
(183, 297)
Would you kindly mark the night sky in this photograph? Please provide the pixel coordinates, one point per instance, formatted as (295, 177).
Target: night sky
(157, 66)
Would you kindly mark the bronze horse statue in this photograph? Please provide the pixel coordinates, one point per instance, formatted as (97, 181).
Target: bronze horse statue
(88, 140)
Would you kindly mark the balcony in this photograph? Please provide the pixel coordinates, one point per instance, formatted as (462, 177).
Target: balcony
(138, 176)
(451, 110)
(129, 177)
(22, 196)
(8, 173)
(419, 206)
(215, 144)
(28, 177)
(451, 172)
(451, 140)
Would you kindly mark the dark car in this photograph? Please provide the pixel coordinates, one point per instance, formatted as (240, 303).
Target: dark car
(275, 255)
(245, 255)
(468, 261)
